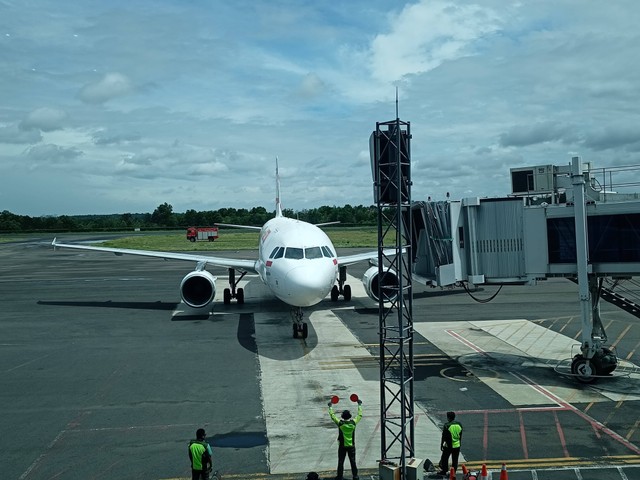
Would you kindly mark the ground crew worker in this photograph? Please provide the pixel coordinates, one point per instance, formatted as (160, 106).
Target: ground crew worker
(346, 439)
(200, 456)
(450, 444)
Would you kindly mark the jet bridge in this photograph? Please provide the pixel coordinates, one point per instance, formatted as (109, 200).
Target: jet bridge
(559, 221)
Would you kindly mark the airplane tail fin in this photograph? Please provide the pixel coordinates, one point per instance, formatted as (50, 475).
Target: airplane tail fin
(278, 205)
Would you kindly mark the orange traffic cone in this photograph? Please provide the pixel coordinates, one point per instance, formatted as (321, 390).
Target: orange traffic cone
(452, 474)
(465, 471)
(503, 473)
(484, 475)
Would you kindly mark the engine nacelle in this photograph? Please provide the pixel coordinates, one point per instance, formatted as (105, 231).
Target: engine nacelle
(371, 281)
(198, 288)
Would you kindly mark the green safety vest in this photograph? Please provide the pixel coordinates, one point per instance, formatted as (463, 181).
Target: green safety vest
(455, 431)
(346, 428)
(199, 455)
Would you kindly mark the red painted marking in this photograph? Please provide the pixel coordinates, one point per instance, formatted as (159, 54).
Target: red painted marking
(596, 425)
(485, 435)
(335, 261)
(523, 437)
(563, 442)
(269, 263)
(469, 344)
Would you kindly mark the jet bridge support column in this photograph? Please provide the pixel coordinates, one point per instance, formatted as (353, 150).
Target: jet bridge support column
(595, 359)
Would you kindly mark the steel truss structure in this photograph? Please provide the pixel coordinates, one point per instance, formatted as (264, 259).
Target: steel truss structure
(390, 152)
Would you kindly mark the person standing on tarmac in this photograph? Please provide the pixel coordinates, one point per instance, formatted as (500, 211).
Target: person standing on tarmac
(200, 456)
(346, 439)
(450, 444)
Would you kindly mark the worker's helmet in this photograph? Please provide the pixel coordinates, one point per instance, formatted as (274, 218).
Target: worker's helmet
(346, 415)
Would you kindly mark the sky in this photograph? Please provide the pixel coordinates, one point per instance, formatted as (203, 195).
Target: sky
(119, 106)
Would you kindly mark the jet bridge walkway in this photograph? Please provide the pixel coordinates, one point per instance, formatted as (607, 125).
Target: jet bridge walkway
(564, 221)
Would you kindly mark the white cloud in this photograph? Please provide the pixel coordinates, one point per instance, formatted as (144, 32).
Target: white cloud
(110, 86)
(426, 34)
(311, 86)
(14, 134)
(48, 154)
(45, 119)
(194, 99)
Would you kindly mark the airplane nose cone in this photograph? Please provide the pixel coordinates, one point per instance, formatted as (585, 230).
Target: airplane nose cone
(308, 285)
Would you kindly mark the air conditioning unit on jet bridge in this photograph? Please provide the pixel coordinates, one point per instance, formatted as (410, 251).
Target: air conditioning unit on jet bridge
(529, 180)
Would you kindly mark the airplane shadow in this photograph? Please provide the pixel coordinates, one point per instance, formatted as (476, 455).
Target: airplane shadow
(166, 306)
(246, 334)
(238, 440)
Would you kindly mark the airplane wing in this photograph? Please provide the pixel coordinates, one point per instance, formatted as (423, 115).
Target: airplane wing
(237, 263)
(361, 257)
(249, 227)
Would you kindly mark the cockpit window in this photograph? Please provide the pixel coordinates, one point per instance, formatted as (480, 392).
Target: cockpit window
(274, 252)
(294, 253)
(279, 253)
(313, 252)
(327, 252)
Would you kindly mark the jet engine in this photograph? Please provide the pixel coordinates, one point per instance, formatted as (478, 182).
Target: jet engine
(198, 288)
(371, 280)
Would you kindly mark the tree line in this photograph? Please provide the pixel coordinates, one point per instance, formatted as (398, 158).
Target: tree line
(163, 217)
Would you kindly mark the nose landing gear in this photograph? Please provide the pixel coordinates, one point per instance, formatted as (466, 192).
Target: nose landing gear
(300, 328)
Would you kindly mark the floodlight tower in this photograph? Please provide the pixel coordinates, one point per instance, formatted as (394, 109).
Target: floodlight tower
(391, 170)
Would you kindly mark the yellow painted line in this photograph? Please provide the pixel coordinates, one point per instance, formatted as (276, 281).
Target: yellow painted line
(633, 429)
(624, 332)
(556, 462)
(281, 476)
(378, 345)
(632, 352)
(419, 360)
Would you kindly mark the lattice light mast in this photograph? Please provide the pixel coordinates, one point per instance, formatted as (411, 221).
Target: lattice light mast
(391, 168)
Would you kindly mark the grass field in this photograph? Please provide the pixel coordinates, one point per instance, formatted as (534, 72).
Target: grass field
(236, 239)
(230, 239)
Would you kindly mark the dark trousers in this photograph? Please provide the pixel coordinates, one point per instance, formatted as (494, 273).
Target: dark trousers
(199, 474)
(444, 459)
(343, 452)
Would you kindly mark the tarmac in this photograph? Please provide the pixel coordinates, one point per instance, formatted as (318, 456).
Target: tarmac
(105, 374)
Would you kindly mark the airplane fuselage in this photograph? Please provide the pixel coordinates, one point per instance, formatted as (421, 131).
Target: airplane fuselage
(297, 261)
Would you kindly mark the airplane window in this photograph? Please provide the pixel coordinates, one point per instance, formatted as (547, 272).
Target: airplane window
(280, 253)
(294, 253)
(327, 252)
(313, 252)
(274, 252)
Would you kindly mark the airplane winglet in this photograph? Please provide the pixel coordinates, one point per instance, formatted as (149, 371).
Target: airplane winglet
(54, 241)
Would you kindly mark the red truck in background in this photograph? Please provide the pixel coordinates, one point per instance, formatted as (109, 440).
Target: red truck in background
(202, 233)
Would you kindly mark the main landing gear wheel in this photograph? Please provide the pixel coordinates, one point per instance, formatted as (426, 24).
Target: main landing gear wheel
(233, 292)
(345, 291)
(583, 369)
(335, 293)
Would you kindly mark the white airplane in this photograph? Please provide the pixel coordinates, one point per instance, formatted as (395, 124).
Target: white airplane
(296, 261)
